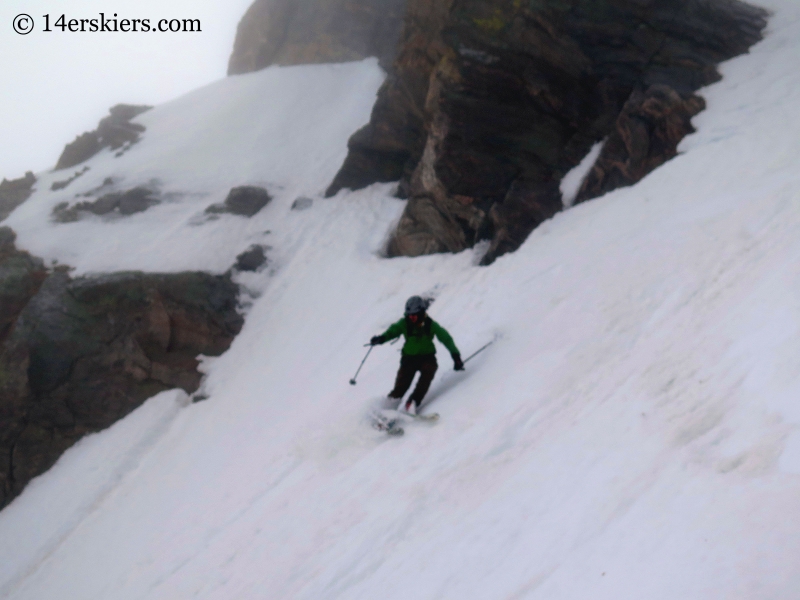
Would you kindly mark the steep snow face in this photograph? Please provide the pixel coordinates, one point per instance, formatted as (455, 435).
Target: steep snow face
(634, 431)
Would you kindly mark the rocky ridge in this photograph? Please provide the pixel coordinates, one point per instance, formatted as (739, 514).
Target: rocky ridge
(115, 132)
(491, 102)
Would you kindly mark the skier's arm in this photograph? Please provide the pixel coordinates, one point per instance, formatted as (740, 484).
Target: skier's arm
(444, 337)
(395, 330)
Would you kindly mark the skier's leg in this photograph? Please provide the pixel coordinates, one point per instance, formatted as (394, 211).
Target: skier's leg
(427, 369)
(405, 375)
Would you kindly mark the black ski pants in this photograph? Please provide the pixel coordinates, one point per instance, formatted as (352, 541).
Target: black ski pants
(409, 365)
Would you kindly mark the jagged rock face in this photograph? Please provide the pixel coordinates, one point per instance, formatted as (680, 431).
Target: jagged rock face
(14, 192)
(291, 32)
(114, 131)
(390, 146)
(491, 102)
(79, 354)
(646, 135)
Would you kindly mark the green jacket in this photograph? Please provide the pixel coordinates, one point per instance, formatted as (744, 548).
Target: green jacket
(419, 337)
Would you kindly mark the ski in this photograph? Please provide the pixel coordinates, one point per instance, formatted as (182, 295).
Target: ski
(388, 420)
(426, 417)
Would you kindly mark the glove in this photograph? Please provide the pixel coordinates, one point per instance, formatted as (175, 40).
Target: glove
(378, 339)
(457, 364)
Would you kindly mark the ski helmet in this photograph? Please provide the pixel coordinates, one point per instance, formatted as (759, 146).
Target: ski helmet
(415, 305)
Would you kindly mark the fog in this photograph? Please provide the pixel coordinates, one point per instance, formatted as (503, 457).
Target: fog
(56, 85)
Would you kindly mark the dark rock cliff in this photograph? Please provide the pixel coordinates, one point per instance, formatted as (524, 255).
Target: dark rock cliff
(491, 102)
(290, 32)
(78, 354)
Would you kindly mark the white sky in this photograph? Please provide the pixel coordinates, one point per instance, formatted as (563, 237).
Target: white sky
(57, 85)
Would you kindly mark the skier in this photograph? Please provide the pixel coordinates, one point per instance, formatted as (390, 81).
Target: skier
(419, 353)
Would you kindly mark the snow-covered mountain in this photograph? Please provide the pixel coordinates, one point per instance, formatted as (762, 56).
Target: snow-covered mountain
(633, 432)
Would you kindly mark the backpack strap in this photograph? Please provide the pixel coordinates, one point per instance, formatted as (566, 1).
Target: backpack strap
(427, 326)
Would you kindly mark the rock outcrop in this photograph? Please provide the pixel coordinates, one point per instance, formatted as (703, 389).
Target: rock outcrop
(124, 203)
(646, 135)
(115, 132)
(291, 32)
(245, 201)
(491, 102)
(77, 354)
(14, 192)
(252, 259)
(302, 203)
(60, 185)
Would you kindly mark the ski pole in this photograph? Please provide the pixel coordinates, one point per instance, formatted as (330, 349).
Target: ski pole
(392, 343)
(481, 349)
(353, 380)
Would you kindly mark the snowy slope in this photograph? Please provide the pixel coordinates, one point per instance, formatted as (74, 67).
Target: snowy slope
(285, 129)
(633, 433)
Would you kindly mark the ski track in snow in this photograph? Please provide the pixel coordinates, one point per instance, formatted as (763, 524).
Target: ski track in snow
(634, 432)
